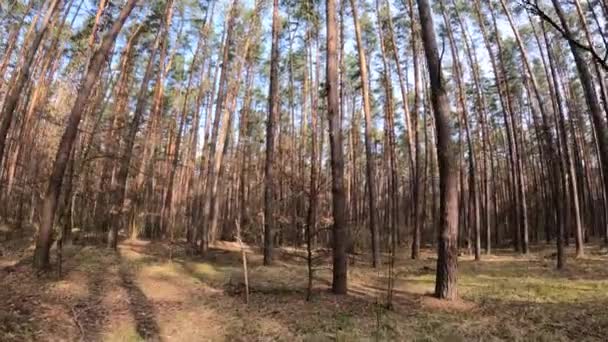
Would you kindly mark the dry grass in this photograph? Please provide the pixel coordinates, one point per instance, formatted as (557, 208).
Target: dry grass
(138, 295)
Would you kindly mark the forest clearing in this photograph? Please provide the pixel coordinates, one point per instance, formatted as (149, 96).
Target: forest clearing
(139, 294)
(308, 170)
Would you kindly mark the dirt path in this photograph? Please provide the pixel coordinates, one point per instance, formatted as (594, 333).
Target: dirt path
(138, 294)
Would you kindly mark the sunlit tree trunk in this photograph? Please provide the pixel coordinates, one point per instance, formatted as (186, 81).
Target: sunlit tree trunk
(210, 187)
(43, 243)
(22, 75)
(447, 261)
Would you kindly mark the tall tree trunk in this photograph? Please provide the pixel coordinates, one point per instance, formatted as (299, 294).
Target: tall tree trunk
(391, 157)
(473, 193)
(167, 212)
(213, 153)
(22, 75)
(311, 218)
(411, 120)
(112, 138)
(570, 174)
(413, 130)
(274, 107)
(12, 42)
(120, 185)
(591, 98)
(502, 85)
(43, 243)
(339, 284)
(447, 260)
(370, 169)
(482, 117)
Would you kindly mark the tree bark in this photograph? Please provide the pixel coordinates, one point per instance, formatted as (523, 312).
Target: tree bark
(447, 260)
(21, 76)
(339, 283)
(274, 107)
(43, 243)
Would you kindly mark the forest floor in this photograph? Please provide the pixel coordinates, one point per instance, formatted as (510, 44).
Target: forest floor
(139, 294)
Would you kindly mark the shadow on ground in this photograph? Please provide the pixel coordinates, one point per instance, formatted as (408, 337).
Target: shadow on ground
(140, 306)
(143, 294)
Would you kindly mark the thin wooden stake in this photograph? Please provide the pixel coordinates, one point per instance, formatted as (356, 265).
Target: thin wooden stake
(244, 256)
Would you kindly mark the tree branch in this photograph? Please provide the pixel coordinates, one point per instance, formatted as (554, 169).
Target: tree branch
(532, 7)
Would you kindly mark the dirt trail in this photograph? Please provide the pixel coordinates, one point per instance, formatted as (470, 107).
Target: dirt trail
(138, 294)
